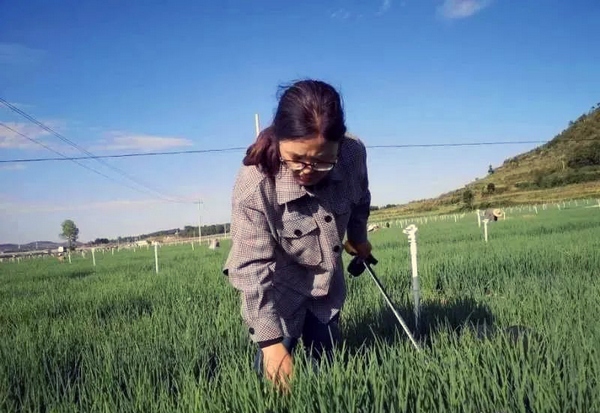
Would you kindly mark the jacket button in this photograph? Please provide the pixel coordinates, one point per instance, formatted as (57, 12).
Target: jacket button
(336, 248)
(297, 233)
(251, 330)
(328, 218)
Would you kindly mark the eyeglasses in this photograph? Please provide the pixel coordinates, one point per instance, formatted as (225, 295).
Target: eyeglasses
(319, 166)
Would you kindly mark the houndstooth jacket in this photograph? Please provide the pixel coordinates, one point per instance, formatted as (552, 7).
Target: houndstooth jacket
(287, 242)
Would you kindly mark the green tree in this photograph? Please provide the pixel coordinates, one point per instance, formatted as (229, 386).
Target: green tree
(70, 232)
(585, 156)
(491, 188)
(468, 198)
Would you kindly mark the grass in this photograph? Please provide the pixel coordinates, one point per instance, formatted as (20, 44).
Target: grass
(119, 337)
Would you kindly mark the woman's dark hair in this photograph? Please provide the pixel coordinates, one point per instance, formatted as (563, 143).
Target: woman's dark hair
(306, 108)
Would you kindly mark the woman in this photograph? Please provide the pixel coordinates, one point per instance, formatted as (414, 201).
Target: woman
(303, 185)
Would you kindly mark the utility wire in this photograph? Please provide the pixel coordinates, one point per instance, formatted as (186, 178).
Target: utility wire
(89, 154)
(65, 157)
(200, 151)
(126, 155)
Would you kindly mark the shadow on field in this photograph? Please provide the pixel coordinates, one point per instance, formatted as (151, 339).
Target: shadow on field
(382, 326)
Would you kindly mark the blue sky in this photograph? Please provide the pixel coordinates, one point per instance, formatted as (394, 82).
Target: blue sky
(139, 76)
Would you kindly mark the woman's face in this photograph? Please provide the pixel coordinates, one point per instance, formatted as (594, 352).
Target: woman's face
(312, 149)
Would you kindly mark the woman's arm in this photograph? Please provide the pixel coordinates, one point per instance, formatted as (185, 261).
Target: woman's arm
(249, 268)
(357, 225)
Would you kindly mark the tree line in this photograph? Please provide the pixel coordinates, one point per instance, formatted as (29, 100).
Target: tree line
(188, 231)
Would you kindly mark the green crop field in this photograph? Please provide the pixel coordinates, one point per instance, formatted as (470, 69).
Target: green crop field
(118, 337)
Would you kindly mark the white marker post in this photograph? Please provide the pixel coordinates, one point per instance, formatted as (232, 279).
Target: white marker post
(69, 256)
(200, 204)
(156, 256)
(94, 256)
(411, 231)
(535, 207)
(256, 124)
(478, 219)
(485, 222)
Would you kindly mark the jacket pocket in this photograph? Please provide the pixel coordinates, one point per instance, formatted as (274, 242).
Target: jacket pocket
(291, 288)
(300, 238)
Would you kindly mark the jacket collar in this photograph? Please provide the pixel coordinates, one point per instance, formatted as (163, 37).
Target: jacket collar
(288, 189)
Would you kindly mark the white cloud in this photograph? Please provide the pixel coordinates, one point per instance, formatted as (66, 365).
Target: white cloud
(12, 167)
(460, 9)
(14, 53)
(342, 14)
(345, 13)
(385, 6)
(120, 141)
(10, 139)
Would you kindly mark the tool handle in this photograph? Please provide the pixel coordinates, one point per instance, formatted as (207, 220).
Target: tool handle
(370, 259)
(357, 265)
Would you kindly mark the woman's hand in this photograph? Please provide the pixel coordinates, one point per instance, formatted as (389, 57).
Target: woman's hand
(278, 365)
(363, 250)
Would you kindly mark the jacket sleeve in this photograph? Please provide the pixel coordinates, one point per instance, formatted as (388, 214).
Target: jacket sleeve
(357, 225)
(249, 268)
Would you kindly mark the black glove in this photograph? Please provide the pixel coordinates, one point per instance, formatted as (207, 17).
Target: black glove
(356, 267)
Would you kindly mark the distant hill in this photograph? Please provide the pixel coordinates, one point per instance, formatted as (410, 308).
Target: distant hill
(567, 167)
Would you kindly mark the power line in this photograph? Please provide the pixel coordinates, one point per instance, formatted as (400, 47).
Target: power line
(74, 145)
(201, 151)
(65, 157)
(126, 155)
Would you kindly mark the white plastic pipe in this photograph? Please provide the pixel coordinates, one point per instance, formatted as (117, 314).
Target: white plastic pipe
(156, 256)
(411, 231)
(485, 222)
(478, 219)
(94, 256)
